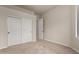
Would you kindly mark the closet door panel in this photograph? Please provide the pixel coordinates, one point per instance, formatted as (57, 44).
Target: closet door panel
(26, 30)
(14, 31)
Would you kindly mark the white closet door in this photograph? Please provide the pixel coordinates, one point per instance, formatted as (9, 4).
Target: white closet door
(14, 31)
(26, 30)
(19, 30)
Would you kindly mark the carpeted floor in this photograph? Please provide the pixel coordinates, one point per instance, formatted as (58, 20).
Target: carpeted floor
(39, 47)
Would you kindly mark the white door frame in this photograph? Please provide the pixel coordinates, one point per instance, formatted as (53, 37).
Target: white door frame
(34, 28)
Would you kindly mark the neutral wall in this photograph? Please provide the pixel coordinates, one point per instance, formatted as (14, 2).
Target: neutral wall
(57, 25)
(3, 30)
(75, 38)
(4, 13)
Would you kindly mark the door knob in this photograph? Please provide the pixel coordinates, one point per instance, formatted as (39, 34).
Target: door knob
(8, 32)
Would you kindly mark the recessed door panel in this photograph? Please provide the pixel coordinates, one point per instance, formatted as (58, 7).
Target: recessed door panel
(14, 31)
(26, 30)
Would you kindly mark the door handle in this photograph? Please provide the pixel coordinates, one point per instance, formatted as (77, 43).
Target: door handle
(8, 32)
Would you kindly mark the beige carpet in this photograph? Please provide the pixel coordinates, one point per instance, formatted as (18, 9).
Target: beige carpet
(39, 47)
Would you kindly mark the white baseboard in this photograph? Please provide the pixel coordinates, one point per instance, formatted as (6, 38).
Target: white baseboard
(58, 43)
(2, 47)
(76, 50)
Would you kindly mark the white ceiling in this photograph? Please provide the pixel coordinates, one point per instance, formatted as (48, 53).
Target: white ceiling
(39, 9)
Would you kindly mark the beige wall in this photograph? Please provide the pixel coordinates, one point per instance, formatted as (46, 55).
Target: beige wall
(75, 40)
(57, 25)
(3, 31)
(4, 13)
